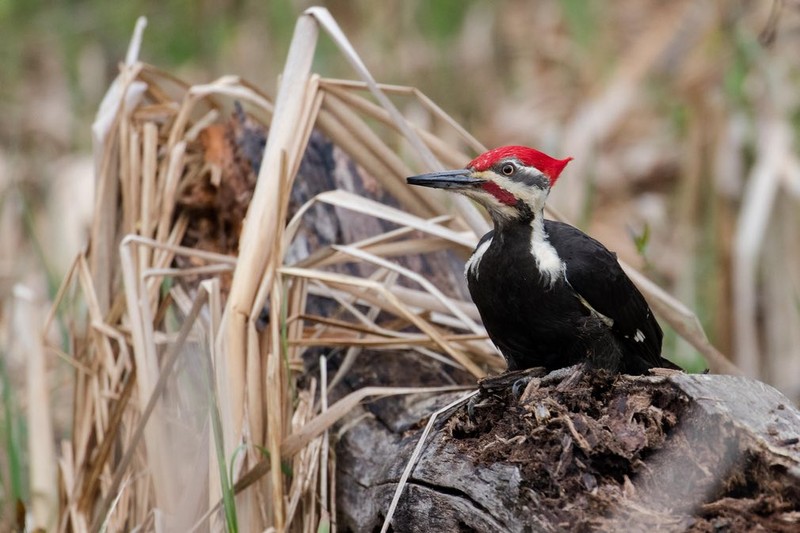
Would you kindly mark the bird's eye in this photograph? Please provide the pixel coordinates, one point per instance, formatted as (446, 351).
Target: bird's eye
(508, 169)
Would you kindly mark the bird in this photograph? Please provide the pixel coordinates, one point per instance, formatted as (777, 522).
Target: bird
(549, 295)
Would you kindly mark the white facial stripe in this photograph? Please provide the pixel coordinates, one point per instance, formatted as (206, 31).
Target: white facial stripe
(474, 263)
(533, 196)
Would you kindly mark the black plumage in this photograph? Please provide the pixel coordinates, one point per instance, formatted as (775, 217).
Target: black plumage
(534, 323)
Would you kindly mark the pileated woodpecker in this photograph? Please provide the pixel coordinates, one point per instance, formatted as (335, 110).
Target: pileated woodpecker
(549, 295)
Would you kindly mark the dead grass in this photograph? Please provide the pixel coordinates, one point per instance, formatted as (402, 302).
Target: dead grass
(153, 438)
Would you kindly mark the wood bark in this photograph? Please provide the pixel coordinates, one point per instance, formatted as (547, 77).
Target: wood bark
(678, 452)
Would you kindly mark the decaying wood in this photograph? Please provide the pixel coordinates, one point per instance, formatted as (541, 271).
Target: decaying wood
(679, 452)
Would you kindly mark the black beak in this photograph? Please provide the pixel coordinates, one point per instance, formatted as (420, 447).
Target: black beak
(446, 179)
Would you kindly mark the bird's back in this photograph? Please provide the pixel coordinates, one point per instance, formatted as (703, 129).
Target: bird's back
(593, 312)
(596, 275)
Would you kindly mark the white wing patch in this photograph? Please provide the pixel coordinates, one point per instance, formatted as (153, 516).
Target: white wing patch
(639, 336)
(474, 263)
(606, 320)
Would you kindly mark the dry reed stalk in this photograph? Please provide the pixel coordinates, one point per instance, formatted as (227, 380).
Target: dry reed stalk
(781, 318)
(216, 377)
(775, 146)
(256, 261)
(412, 460)
(373, 154)
(450, 156)
(381, 342)
(41, 453)
(472, 217)
(596, 119)
(429, 287)
(124, 92)
(149, 408)
(325, 490)
(303, 461)
(393, 304)
(150, 151)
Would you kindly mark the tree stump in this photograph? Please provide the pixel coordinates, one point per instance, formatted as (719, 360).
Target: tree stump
(629, 453)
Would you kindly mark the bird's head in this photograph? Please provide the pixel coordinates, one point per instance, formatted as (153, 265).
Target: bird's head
(511, 182)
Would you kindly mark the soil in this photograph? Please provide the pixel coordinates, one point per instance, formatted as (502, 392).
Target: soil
(583, 452)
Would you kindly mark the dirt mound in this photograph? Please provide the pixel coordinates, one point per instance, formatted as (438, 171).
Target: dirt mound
(609, 451)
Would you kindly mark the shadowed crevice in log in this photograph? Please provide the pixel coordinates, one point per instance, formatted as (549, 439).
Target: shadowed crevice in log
(432, 509)
(449, 492)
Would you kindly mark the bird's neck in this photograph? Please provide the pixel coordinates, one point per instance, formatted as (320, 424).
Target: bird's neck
(527, 218)
(538, 233)
(531, 228)
(527, 207)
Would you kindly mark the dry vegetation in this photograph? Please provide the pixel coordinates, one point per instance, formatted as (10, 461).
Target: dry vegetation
(183, 389)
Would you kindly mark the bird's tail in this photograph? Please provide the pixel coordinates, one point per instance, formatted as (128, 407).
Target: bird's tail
(601, 347)
(604, 350)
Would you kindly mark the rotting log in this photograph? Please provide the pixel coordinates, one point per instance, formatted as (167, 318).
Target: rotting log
(679, 453)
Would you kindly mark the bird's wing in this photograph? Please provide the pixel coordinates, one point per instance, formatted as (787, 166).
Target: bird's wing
(595, 274)
(485, 238)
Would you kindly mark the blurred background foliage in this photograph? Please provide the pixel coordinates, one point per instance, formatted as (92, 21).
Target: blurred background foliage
(675, 112)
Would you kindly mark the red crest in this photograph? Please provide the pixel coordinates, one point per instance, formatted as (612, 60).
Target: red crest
(549, 166)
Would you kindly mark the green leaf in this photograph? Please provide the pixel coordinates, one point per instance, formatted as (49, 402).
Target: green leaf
(642, 239)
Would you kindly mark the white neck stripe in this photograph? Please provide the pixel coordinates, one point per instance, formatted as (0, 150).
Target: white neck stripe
(547, 260)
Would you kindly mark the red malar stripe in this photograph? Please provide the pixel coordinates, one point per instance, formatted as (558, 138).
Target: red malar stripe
(500, 193)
